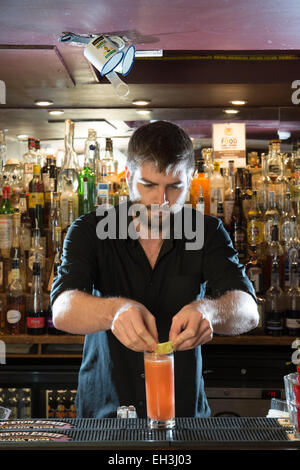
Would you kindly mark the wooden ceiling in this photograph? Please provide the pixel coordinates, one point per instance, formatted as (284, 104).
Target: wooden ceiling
(213, 52)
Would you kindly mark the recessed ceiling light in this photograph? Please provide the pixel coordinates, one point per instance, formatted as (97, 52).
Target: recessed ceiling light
(141, 102)
(238, 102)
(56, 112)
(143, 111)
(43, 103)
(22, 136)
(231, 111)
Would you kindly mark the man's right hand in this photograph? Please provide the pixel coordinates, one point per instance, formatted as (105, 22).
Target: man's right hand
(135, 327)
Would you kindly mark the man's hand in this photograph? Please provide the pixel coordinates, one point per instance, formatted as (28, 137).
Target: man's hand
(135, 327)
(190, 328)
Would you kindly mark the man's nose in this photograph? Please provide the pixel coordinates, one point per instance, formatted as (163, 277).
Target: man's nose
(162, 196)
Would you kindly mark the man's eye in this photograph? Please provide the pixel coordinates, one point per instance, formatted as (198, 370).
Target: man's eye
(147, 185)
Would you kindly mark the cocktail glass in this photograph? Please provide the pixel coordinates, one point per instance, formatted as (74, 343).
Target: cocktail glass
(160, 390)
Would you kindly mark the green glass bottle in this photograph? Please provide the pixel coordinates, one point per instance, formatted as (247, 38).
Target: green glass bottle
(86, 184)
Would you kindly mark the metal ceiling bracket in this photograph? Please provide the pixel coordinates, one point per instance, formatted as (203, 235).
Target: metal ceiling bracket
(76, 39)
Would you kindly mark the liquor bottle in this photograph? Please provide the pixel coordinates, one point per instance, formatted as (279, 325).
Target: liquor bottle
(36, 196)
(274, 251)
(275, 304)
(291, 250)
(247, 193)
(13, 175)
(56, 261)
(255, 226)
(37, 253)
(229, 194)
(54, 221)
(15, 310)
(92, 152)
(238, 227)
(286, 220)
(45, 172)
(86, 181)
(15, 252)
(271, 218)
(254, 270)
(3, 151)
(207, 154)
(123, 194)
(293, 303)
(29, 159)
(6, 213)
(200, 182)
(35, 314)
(295, 179)
(67, 183)
(38, 153)
(26, 226)
(71, 218)
(216, 188)
(200, 206)
(275, 174)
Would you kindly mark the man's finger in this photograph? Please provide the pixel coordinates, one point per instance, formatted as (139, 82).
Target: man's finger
(143, 334)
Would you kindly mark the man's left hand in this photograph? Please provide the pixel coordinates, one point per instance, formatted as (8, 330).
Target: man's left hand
(190, 328)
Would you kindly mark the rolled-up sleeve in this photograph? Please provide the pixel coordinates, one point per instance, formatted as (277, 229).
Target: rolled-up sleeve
(78, 269)
(221, 267)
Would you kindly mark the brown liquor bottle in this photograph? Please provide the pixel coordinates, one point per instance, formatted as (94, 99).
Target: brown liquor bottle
(15, 311)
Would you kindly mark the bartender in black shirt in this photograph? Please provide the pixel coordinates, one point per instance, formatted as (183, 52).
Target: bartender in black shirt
(126, 294)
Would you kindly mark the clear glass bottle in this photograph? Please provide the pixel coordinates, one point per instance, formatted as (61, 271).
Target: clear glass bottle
(229, 194)
(238, 227)
(293, 303)
(36, 253)
(71, 218)
(271, 218)
(15, 310)
(275, 304)
(274, 250)
(3, 151)
(6, 213)
(291, 250)
(54, 221)
(67, 183)
(255, 226)
(92, 152)
(254, 270)
(35, 314)
(26, 227)
(216, 184)
(29, 159)
(15, 251)
(200, 182)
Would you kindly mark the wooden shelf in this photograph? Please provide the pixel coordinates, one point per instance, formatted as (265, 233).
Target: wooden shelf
(42, 339)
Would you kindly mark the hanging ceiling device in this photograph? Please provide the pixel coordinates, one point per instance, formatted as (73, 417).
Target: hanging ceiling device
(108, 54)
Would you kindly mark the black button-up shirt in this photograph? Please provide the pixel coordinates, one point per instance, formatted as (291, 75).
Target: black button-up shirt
(112, 375)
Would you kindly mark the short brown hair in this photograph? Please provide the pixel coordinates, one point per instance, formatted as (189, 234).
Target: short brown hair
(161, 142)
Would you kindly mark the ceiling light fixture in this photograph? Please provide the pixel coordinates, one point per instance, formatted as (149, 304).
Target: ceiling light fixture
(43, 102)
(141, 102)
(22, 136)
(56, 112)
(143, 111)
(238, 102)
(231, 111)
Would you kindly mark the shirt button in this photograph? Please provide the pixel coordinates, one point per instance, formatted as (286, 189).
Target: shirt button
(143, 376)
(141, 403)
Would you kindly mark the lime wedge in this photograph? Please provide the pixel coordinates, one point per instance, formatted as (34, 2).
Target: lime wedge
(164, 348)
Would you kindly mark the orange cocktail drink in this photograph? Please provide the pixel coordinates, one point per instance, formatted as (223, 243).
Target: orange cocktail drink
(160, 394)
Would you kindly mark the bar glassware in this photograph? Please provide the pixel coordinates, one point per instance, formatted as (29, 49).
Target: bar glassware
(160, 390)
(292, 394)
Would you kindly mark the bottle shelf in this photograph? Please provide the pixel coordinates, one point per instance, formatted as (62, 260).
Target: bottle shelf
(60, 346)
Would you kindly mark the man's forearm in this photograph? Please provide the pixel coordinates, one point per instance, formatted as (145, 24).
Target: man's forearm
(81, 313)
(233, 313)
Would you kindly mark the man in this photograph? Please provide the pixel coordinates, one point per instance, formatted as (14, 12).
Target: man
(149, 290)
